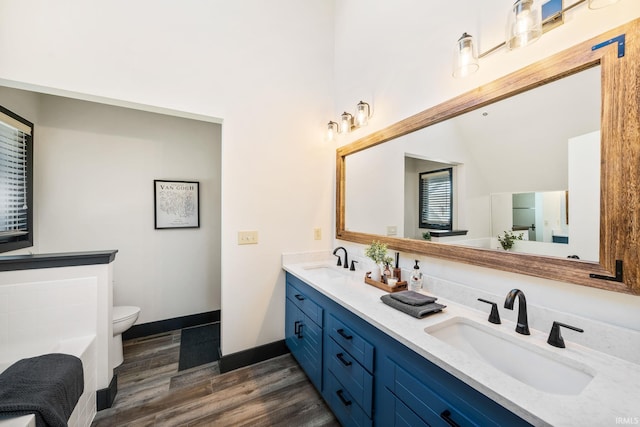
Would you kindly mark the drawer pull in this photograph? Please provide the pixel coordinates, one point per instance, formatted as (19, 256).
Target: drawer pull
(295, 327)
(299, 333)
(340, 394)
(446, 415)
(344, 361)
(344, 334)
(299, 297)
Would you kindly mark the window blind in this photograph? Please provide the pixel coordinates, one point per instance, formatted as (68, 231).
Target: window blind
(13, 177)
(436, 199)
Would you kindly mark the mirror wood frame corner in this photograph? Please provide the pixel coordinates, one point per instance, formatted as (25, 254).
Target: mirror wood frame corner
(619, 172)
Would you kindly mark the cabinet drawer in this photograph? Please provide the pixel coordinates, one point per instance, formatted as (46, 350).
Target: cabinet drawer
(429, 405)
(355, 379)
(353, 343)
(343, 405)
(303, 302)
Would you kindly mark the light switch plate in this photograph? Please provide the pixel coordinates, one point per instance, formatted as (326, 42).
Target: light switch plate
(317, 233)
(248, 237)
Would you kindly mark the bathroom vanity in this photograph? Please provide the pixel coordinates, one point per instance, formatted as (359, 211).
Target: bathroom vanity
(378, 366)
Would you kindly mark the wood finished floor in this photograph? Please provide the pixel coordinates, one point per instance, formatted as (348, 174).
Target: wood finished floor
(151, 391)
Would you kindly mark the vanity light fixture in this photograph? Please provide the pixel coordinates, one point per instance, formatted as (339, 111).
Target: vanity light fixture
(525, 25)
(465, 57)
(348, 121)
(332, 129)
(363, 112)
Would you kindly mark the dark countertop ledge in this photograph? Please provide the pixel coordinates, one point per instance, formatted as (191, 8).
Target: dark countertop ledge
(61, 259)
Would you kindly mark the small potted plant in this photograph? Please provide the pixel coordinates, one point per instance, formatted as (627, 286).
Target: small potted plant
(426, 235)
(508, 239)
(377, 252)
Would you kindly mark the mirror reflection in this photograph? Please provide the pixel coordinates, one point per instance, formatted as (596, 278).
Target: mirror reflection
(529, 164)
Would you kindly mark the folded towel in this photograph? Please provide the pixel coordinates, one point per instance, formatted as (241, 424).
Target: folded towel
(413, 298)
(418, 311)
(47, 386)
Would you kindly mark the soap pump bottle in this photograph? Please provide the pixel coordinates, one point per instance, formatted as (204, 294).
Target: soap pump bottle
(415, 281)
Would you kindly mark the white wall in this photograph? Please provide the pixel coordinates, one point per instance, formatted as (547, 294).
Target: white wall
(264, 68)
(405, 67)
(95, 167)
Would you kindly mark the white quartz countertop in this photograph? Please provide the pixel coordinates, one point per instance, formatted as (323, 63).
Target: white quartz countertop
(612, 397)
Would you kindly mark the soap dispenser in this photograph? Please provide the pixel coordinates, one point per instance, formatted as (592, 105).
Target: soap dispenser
(415, 281)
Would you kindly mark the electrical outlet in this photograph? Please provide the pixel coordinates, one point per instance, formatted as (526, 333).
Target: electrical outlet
(392, 230)
(248, 237)
(317, 233)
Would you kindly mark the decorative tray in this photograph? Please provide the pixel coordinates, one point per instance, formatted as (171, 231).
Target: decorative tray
(399, 286)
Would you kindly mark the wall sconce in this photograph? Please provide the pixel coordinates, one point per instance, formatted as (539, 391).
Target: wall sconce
(348, 121)
(332, 129)
(465, 57)
(363, 112)
(525, 25)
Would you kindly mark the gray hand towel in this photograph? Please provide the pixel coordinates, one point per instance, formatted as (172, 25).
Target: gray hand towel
(418, 311)
(47, 386)
(412, 298)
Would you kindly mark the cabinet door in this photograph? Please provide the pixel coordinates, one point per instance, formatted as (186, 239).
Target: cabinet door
(397, 414)
(310, 351)
(304, 339)
(441, 400)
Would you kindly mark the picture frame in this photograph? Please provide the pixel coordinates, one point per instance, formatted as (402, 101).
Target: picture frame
(176, 204)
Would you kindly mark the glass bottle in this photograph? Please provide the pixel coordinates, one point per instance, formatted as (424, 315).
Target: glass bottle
(415, 281)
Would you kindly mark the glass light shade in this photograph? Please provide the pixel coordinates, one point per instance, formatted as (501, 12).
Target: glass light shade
(465, 57)
(362, 114)
(346, 121)
(524, 24)
(332, 128)
(597, 4)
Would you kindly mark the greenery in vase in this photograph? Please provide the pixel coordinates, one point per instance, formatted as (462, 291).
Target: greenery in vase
(378, 253)
(509, 239)
(426, 235)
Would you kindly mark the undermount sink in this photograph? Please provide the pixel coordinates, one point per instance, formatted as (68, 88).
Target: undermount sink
(325, 271)
(528, 364)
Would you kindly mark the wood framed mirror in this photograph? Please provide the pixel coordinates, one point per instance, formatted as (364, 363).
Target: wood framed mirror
(617, 53)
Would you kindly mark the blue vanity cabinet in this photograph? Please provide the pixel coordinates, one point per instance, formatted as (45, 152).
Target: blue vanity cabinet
(303, 330)
(371, 379)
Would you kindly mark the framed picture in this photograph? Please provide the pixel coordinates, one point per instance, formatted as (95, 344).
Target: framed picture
(176, 204)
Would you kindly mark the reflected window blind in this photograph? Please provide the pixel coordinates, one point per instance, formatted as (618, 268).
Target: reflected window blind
(436, 199)
(13, 177)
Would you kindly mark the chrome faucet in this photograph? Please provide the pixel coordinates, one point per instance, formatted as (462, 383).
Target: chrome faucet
(346, 260)
(523, 324)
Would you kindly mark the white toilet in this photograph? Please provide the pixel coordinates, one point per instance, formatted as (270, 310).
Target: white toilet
(124, 316)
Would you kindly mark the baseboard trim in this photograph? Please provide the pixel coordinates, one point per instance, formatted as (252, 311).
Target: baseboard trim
(106, 396)
(160, 326)
(252, 355)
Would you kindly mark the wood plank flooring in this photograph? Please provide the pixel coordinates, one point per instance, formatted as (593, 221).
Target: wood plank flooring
(151, 391)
